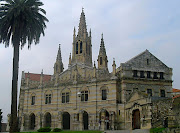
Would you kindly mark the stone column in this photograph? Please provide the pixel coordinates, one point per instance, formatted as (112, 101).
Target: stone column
(38, 123)
(81, 121)
(112, 120)
(103, 126)
(59, 120)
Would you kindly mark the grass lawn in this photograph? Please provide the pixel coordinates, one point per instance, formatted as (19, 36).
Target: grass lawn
(68, 132)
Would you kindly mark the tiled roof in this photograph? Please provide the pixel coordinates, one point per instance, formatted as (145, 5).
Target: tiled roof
(36, 77)
(175, 90)
(176, 96)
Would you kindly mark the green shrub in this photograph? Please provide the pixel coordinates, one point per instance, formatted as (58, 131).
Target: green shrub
(44, 129)
(156, 130)
(57, 130)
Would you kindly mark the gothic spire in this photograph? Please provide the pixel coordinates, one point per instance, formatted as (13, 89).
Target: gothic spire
(82, 24)
(59, 58)
(102, 49)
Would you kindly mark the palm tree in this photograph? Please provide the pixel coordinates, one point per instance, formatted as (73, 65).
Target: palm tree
(21, 22)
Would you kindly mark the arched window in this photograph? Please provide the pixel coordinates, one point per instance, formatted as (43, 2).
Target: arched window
(77, 48)
(100, 60)
(81, 47)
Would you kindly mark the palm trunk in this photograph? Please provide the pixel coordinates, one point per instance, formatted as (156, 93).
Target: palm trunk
(14, 120)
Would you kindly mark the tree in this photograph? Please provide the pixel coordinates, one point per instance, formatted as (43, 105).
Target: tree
(0, 120)
(21, 22)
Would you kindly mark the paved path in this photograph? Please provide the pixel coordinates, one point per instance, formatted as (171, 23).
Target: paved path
(129, 131)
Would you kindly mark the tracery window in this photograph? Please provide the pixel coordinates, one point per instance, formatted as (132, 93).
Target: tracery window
(48, 99)
(65, 97)
(84, 95)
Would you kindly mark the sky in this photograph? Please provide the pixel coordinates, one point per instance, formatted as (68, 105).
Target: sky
(129, 28)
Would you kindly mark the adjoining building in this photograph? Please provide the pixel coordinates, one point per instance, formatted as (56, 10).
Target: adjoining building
(89, 97)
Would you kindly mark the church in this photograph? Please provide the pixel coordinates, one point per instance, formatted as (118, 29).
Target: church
(86, 96)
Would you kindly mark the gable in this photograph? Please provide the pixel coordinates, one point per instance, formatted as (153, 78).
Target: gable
(146, 60)
(136, 95)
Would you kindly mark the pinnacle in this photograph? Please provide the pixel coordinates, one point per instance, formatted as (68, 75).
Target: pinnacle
(82, 24)
(59, 54)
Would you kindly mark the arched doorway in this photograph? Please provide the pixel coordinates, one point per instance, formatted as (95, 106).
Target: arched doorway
(136, 119)
(66, 120)
(48, 120)
(85, 120)
(107, 120)
(104, 116)
(32, 121)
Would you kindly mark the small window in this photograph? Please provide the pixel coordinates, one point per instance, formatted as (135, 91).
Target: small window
(119, 112)
(84, 95)
(135, 73)
(161, 75)
(48, 99)
(100, 60)
(81, 47)
(77, 48)
(141, 74)
(149, 92)
(32, 100)
(147, 61)
(65, 97)
(104, 94)
(148, 74)
(155, 75)
(162, 93)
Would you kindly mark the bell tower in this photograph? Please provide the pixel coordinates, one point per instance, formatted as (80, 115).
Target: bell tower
(82, 48)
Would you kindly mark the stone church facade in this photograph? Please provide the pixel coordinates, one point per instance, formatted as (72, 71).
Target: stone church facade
(89, 97)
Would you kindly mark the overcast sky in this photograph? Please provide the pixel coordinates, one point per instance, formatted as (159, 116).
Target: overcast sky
(129, 28)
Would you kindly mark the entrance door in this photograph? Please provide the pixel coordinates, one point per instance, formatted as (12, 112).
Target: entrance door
(85, 120)
(48, 120)
(32, 121)
(66, 120)
(136, 119)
